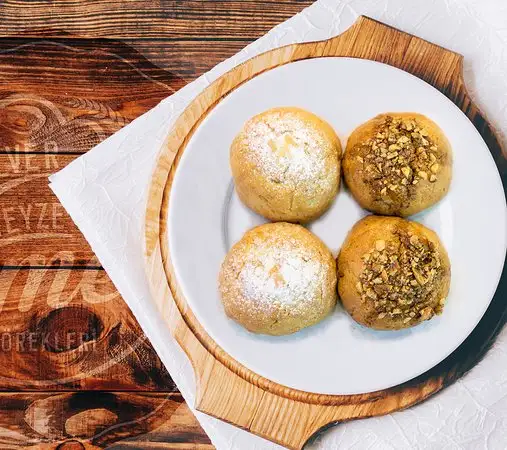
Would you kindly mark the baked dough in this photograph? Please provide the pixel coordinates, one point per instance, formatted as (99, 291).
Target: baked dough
(398, 164)
(392, 273)
(278, 279)
(286, 165)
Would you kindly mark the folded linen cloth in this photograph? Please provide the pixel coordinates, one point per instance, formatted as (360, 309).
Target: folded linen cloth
(104, 191)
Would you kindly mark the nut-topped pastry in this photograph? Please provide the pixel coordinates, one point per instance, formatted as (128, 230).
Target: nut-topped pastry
(392, 273)
(286, 165)
(398, 164)
(278, 279)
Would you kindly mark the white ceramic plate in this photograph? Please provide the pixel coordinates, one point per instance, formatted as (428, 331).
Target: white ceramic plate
(338, 356)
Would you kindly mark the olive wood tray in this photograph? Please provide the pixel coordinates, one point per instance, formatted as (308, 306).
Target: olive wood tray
(226, 389)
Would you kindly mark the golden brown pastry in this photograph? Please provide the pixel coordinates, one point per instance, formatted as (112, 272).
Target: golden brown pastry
(278, 279)
(392, 273)
(398, 164)
(286, 164)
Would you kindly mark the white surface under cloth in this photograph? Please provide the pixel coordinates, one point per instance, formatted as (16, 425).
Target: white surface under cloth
(105, 191)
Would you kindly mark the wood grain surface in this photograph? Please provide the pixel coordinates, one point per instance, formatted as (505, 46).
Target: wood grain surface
(71, 74)
(273, 411)
(68, 329)
(113, 420)
(173, 19)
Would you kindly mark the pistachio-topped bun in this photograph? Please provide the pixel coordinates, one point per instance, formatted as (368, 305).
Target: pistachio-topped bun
(392, 273)
(278, 279)
(286, 164)
(398, 164)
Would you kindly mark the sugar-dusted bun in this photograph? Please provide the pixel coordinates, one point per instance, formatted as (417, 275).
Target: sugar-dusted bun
(392, 273)
(278, 279)
(286, 164)
(398, 164)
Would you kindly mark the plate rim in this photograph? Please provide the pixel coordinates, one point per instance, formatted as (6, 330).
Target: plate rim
(478, 317)
(237, 367)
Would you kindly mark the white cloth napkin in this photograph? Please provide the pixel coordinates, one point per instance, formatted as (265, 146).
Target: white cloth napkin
(104, 192)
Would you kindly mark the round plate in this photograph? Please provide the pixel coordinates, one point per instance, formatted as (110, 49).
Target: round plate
(337, 356)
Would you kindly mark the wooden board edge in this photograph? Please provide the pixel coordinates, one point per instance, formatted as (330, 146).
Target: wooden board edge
(270, 395)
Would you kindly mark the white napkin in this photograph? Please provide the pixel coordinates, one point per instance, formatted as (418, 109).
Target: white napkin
(104, 192)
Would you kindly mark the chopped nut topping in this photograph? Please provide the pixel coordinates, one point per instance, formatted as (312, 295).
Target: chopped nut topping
(399, 155)
(400, 277)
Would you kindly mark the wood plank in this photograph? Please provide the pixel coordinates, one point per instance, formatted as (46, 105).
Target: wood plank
(114, 83)
(163, 60)
(66, 115)
(116, 420)
(68, 95)
(35, 230)
(56, 97)
(189, 19)
(70, 329)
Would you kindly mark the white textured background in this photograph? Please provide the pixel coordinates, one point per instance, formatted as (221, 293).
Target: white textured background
(104, 192)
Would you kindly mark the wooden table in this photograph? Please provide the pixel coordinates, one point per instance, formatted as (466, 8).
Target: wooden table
(75, 369)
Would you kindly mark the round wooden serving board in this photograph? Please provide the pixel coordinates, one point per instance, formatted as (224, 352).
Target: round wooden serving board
(230, 391)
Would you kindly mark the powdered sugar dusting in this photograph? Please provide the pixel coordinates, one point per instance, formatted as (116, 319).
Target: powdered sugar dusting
(287, 149)
(278, 279)
(279, 275)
